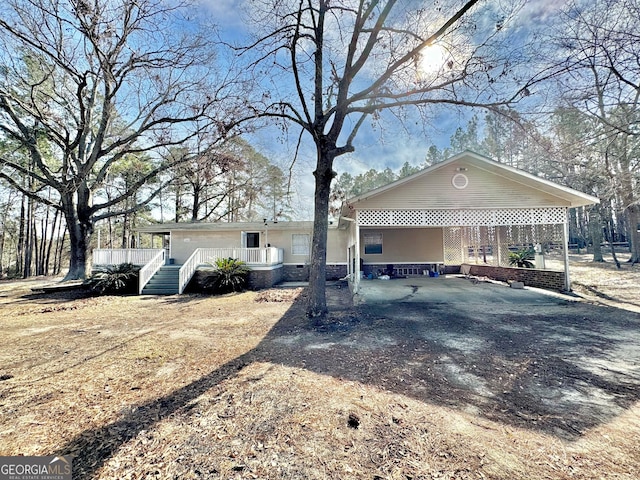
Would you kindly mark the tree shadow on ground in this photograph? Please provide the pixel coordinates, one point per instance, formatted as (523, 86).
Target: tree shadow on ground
(598, 293)
(61, 296)
(561, 372)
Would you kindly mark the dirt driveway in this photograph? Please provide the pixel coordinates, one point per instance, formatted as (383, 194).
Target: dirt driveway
(534, 360)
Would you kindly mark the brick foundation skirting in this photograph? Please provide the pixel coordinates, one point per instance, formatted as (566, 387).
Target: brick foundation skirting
(300, 273)
(295, 273)
(531, 277)
(336, 272)
(550, 280)
(259, 279)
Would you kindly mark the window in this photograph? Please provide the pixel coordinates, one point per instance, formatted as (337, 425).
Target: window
(300, 244)
(373, 243)
(253, 239)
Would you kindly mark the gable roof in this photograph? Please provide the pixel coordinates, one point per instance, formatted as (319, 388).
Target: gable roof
(519, 186)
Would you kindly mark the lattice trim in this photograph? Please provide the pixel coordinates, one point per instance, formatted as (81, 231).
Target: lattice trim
(462, 218)
(453, 245)
(491, 245)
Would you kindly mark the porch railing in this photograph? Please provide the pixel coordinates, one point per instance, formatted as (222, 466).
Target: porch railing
(250, 256)
(116, 256)
(188, 269)
(149, 270)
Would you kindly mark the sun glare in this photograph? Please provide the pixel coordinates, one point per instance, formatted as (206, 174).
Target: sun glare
(432, 58)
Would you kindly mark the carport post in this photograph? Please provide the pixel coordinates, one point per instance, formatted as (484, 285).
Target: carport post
(356, 283)
(565, 249)
(497, 245)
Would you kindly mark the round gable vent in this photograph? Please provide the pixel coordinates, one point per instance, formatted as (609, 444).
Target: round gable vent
(459, 181)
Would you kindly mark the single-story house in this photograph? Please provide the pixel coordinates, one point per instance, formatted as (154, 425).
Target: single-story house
(468, 212)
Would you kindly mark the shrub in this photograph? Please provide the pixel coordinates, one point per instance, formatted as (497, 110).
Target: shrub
(522, 258)
(230, 275)
(118, 279)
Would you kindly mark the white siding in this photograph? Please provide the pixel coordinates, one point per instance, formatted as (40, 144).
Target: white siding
(184, 242)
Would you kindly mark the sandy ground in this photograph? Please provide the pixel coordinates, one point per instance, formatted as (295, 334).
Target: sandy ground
(241, 386)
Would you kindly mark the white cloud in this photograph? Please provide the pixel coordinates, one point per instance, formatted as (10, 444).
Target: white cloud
(226, 13)
(540, 11)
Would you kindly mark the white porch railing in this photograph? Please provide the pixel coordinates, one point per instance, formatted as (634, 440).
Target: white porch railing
(116, 256)
(149, 270)
(250, 256)
(188, 269)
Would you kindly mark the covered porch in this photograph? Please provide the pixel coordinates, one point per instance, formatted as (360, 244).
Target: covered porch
(159, 274)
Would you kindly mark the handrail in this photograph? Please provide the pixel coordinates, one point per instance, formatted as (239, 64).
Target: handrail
(149, 270)
(251, 256)
(188, 269)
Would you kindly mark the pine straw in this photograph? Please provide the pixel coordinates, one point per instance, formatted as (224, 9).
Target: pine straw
(279, 295)
(604, 283)
(272, 421)
(171, 387)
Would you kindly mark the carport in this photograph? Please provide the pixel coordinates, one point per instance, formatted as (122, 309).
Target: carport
(451, 290)
(526, 357)
(468, 209)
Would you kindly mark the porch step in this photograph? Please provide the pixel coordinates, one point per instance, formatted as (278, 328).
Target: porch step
(164, 282)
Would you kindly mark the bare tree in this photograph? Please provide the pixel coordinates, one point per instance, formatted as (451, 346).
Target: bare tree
(8, 199)
(232, 182)
(601, 43)
(86, 83)
(334, 64)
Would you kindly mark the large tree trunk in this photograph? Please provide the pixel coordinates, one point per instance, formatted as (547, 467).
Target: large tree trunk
(595, 232)
(78, 255)
(80, 228)
(633, 216)
(317, 301)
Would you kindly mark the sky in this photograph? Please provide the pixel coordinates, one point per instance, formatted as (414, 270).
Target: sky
(387, 145)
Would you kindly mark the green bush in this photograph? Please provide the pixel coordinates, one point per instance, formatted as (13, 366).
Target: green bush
(115, 279)
(522, 258)
(230, 275)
